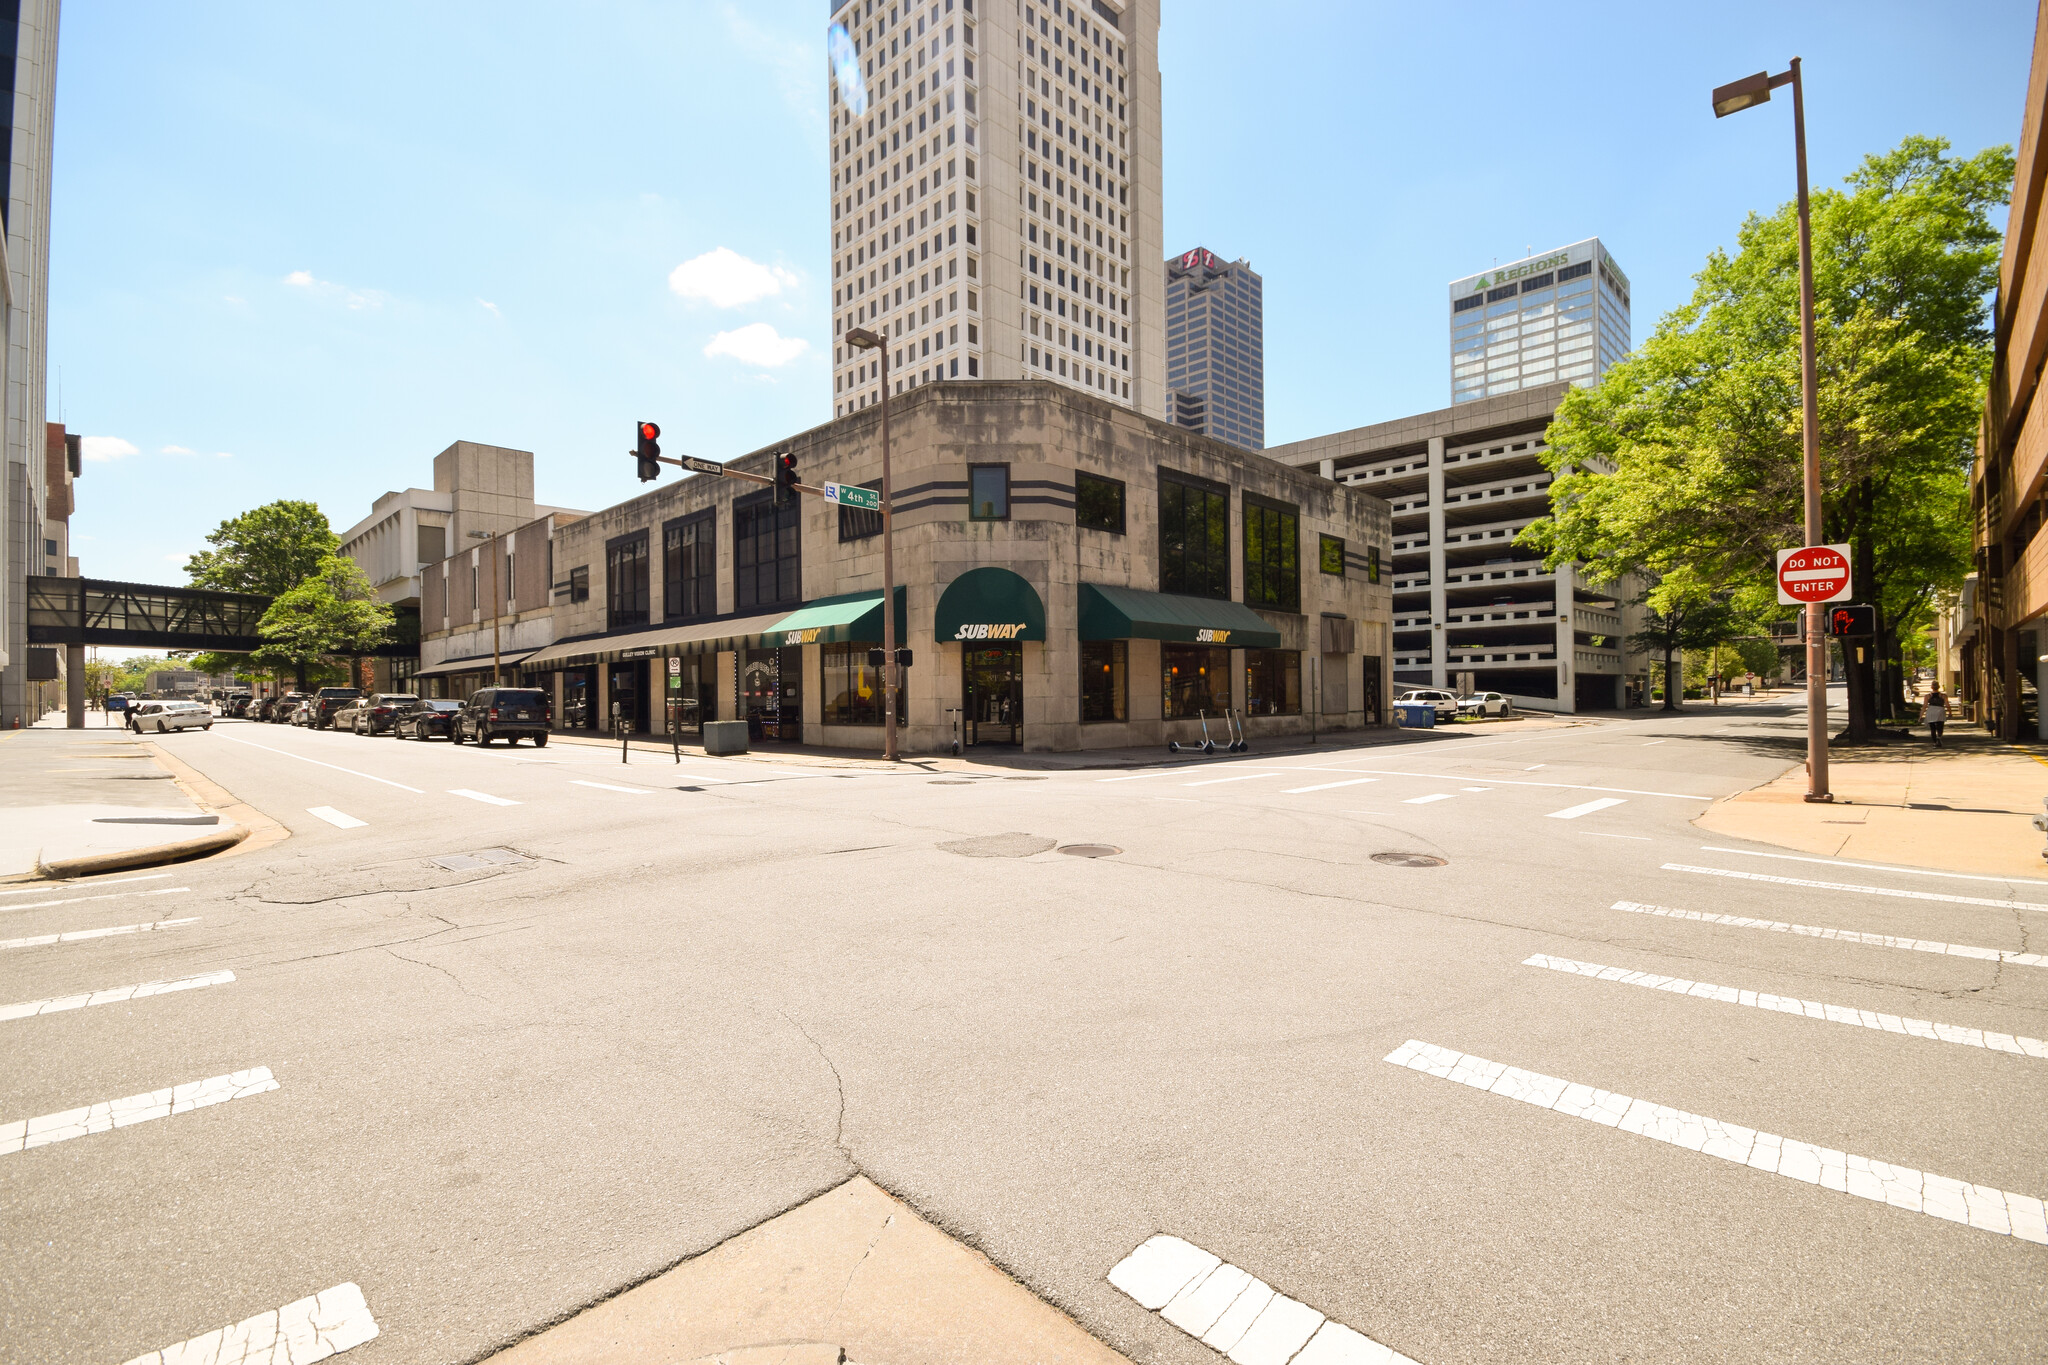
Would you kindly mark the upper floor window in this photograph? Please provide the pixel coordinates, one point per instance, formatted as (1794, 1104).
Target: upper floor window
(1098, 503)
(1272, 554)
(1194, 536)
(625, 576)
(858, 523)
(766, 553)
(579, 584)
(988, 492)
(689, 567)
(1331, 555)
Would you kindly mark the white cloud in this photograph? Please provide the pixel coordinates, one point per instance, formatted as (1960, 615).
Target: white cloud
(757, 343)
(301, 278)
(725, 279)
(106, 448)
(328, 289)
(176, 450)
(223, 455)
(491, 308)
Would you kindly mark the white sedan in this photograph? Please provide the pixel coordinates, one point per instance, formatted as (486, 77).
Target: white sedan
(162, 717)
(1487, 704)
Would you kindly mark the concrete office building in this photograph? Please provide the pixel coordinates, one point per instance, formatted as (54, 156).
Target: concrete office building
(996, 205)
(1471, 609)
(1558, 316)
(28, 63)
(1216, 348)
(1072, 576)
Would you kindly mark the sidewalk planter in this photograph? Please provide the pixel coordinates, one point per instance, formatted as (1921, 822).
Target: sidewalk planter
(1416, 717)
(725, 737)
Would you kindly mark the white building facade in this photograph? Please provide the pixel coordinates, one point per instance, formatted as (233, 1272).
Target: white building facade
(1557, 316)
(996, 196)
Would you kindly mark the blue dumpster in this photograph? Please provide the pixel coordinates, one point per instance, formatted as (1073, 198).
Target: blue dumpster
(1416, 715)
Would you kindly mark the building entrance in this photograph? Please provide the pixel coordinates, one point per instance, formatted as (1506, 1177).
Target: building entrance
(629, 696)
(992, 684)
(772, 695)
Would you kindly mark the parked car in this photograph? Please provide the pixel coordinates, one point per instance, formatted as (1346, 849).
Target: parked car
(1446, 703)
(236, 704)
(1487, 704)
(372, 715)
(504, 712)
(277, 710)
(324, 705)
(162, 717)
(301, 712)
(425, 718)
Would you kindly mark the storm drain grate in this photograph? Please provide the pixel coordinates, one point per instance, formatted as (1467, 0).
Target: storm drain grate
(1090, 850)
(1409, 859)
(485, 857)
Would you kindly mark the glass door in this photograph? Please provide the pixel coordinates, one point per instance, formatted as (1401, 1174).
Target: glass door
(628, 696)
(771, 693)
(992, 685)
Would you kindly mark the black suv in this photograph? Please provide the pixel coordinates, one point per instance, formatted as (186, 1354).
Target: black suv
(272, 706)
(510, 712)
(326, 703)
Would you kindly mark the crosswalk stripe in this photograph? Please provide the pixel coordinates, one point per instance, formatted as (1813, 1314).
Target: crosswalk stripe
(484, 797)
(112, 995)
(1876, 867)
(1574, 812)
(1425, 800)
(1958, 1201)
(109, 896)
(335, 817)
(1917, 945)
(1806, 1009)
(23, 1134)
(608, 787)
(80, 935)
(84, 886)
(1237, 777)
(1326, 786)
(311, 1329)
(1851, 886)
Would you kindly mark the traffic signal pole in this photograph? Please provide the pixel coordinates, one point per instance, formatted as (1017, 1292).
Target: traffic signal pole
(1809, 394)
(889, 664)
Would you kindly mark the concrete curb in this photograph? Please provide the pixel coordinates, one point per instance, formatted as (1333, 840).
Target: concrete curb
(93, 864)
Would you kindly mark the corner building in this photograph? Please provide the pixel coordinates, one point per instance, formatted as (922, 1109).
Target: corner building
(996, 207)
(1072, 575)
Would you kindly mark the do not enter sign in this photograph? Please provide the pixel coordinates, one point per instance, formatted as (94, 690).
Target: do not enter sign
(1817, 573)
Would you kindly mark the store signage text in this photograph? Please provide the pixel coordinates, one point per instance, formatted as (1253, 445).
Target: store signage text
(800, 637)
(638, 653)
(1212, 637)
(988, 632)
(1515, 272)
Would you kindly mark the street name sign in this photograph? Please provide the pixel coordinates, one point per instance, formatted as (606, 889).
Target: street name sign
(1815, 573)
(847, 495)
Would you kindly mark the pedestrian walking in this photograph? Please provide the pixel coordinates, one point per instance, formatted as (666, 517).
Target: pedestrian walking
(1934, 711)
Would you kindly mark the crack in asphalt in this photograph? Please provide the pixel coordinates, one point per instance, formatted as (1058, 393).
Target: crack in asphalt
(838, 1085)
(435, 967)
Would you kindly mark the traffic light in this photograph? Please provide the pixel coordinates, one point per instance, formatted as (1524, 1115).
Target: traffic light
(647, 445)
(1849, 619)
(785, 478)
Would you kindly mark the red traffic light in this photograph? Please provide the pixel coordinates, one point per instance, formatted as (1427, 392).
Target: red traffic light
(785, 477)
(649, 432)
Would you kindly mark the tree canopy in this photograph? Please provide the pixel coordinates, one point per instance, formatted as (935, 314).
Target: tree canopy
(332, 615)
(268, 550)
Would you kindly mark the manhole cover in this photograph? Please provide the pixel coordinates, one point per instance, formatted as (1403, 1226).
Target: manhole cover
(1408, 859)
(1091, 850)
(999, 846)
(470, 862)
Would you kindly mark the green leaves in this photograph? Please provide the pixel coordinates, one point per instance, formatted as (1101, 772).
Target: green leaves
(268, 550)
(332, 613)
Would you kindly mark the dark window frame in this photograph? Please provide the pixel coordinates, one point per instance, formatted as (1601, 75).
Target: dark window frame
(1273, 581)
(1112, 695)
(785, 537)
(628, 602)
(579, 583)
(1323, 556)
(1283, 669)
(1214, 664)
(973, 469)
(1210, 575)
(1082, 479)
(858, 523)
(849, 662)
(677, 587)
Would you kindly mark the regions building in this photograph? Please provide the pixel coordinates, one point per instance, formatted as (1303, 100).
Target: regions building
(1559, 316)
(1073, 575)
(995, 193)
(1216, 348)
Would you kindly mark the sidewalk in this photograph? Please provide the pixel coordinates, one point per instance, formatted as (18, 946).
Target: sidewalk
(1965, 807)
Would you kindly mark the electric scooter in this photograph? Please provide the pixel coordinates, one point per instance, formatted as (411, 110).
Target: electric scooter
(1207, 746)
(1240, 744)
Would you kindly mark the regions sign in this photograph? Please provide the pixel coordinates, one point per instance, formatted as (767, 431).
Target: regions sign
(1813, 573)
(847, 495)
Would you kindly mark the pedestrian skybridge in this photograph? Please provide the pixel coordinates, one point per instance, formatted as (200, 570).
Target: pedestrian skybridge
(92, 611)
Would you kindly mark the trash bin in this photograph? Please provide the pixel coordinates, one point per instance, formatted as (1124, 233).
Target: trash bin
(1416, 715)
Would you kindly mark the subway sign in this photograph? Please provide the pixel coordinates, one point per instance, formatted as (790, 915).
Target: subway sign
(800, 637)
(989, 631)
(1212, 637)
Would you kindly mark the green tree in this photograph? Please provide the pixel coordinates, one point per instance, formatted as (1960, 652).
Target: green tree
(268, 550)
(332, 616)
(1687, 456)
(1681, 615)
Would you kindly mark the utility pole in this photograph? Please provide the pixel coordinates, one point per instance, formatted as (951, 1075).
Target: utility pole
(497, 601)
(866, 340)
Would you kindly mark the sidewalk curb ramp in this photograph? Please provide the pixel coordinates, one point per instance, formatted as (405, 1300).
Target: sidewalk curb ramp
(93, 864)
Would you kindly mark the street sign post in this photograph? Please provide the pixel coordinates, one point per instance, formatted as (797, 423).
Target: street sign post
(1813, 574)
(849, 495)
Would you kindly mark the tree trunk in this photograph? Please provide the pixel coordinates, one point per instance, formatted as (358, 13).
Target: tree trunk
(1674, 685)
(1861, 675)
(299, 671)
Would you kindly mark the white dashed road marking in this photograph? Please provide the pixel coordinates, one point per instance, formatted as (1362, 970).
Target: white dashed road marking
(608, 787)
(481, 796)
(1917, 945)
(1326, 786)
(1958, 1201)
(312, 1329)
(1574, 812)
(1233, 1311)
(1851, 886)
(1806, 1009)
(85, 886)
(1425, 800)
(155, 1104)
(729, 781)
(335, 817)
(1239, 777)
(112, 995)
(1133, 777)
(1875, 867)
(110, 896)
(80, 935)
(337, 767)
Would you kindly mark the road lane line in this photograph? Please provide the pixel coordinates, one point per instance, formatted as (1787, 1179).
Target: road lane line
(1574, 812)
(1851, 886)
(112, 995)
(85, 885)
(336, 818)
(1534, 766)
(286, 753)
(1425, 800)
(1806, 1009)
(1133, 777)
(1650, 742)
(1878, 867)
(1957, 1201)
(80, 935)
(730, 781)
(1240, 777)
(1233, 1311)
(81, 900)
(1916, 945)
(608, 787)
(1601, 834)
(23, 1134)
(308, 1330)
(484, 797)
(1326, 786)
(1476, 789)
(1507, 782)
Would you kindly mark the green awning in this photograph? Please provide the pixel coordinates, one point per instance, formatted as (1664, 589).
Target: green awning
(989, 604)
(1133, 614)
(840, 620)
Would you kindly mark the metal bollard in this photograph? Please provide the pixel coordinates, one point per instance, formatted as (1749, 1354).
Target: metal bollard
(2041, 823)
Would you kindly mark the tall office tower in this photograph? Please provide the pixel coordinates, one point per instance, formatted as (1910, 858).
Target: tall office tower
(1216, 348)
(1561, 315)
(28, 83)
(995, 195)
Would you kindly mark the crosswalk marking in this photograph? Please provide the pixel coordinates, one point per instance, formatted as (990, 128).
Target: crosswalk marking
(109, 896)
(1917, 945)
(85, 886)
(112, 995)
(1425, 800)
(23, 1134)
(1237, 777)
(608, 787)
(1574, 812)
(1876, 867)
(328, 1323)
(1958, 1201)
(1327, 786)
(484, 797)
(1233, 1311)
(335, 817)
(80, 935)
(1852, 886)
(1806, 1009)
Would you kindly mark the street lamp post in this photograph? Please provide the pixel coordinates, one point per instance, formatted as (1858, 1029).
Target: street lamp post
(870, 341)
(496, 600)
(1729, 99)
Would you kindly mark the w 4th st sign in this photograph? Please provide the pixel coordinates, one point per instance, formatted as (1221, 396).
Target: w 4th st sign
(846, 495)
(1816, 573)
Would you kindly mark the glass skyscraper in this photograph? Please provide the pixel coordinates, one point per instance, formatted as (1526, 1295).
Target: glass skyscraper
(1216, 348)
(1557, 315)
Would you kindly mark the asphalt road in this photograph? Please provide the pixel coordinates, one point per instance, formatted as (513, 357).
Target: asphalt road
(703, 994)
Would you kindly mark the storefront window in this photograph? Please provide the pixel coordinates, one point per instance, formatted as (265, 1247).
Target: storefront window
(625, 568)
(1194, 536)
(689, 568)
(766, 563)
(691, 695)
(1196, 680)
(1272, 682)
(576, 700)
(853, 687)
(1104, 686)
(1272, 555)
(1331, 557)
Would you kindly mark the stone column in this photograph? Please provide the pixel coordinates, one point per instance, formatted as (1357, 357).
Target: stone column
(74, 687)
(1438, 645)
(1567, 690)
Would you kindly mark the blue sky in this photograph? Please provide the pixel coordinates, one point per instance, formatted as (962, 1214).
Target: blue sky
(298, 249)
